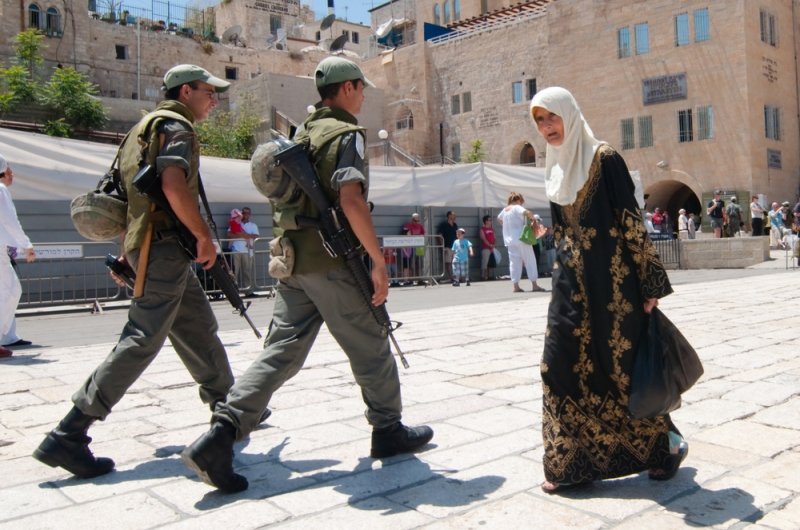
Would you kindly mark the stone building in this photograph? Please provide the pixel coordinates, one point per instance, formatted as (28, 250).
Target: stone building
(696, 95)
(126, 54)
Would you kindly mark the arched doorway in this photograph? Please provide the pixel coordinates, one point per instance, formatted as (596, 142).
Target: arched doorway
(524, 154)
(671, 196)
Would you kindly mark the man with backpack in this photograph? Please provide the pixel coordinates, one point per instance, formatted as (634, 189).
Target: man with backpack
(317, 288)
(734, 212)
(172, 303)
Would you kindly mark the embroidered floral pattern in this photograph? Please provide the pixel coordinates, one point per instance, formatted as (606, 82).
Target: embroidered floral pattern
(587, 432)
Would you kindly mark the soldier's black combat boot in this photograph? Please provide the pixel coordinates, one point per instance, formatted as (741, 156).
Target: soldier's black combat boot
(67, 446)
(211, 457)
(398, 438)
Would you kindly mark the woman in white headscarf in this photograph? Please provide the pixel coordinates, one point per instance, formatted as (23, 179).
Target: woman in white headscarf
(606, 278)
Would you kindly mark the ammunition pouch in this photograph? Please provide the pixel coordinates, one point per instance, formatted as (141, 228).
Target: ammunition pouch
(281, 258)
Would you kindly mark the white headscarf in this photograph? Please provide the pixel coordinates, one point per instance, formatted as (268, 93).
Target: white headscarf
(567, 166)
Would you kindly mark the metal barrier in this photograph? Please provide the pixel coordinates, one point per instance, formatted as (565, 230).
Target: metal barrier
(259, 266)
(414, 258)
(669, 250)
(68, 273)
(75, 272)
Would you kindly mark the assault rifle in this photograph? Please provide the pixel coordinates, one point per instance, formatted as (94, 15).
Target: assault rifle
(146, 181)
(337, 235)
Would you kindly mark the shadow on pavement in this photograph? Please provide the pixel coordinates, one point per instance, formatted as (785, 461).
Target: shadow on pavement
(682, 495)
(399, 478)
(25, 360)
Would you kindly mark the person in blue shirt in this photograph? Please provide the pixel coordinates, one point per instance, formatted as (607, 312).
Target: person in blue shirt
(462, 251)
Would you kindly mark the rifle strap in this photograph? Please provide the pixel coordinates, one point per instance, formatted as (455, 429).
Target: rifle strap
(209, 217)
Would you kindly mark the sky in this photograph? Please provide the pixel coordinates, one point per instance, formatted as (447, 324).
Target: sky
(351, 10)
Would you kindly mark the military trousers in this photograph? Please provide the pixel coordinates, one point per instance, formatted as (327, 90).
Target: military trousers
(303, 302)
(175, 306)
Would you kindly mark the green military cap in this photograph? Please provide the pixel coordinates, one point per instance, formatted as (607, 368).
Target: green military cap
(337, 69)
(186, 73)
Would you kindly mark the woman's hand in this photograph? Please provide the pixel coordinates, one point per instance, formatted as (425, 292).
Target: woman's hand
(649, 304)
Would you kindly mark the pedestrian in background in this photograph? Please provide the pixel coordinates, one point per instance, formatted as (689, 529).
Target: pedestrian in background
(412, 256)
(514, 217)
(447, 229)
(488, 260)
(716, 213)
(607, 279)
(242, 250)
(11, 234)
(757, 217)
(775, 226)
(734, 216)
(462, 251)
(683, 224)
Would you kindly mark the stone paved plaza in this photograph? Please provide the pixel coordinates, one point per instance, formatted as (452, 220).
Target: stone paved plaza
(474, 378)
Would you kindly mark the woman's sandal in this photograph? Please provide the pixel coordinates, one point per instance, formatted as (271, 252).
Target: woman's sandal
(673, 463)
(550, 487)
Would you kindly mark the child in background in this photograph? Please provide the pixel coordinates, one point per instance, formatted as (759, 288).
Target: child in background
(462, 251)
(390, 257)
(235, 224)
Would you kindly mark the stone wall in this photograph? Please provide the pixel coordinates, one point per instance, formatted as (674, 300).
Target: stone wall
(725, 253)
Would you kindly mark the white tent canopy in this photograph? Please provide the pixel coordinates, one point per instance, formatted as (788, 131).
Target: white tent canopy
(55, 169)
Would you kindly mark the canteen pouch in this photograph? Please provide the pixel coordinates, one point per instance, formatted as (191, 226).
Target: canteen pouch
(281, 258)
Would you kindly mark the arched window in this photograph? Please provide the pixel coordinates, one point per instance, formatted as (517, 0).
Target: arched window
(34, 16)
(436, 15)
(53, 21)
(456, 10)
(446, 12)
(405, 120)
(527, 156)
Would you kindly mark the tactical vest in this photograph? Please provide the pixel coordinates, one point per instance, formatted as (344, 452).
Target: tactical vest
(322, 138)
(144, 145)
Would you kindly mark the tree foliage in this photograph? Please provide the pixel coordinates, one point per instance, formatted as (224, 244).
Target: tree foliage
(17, 87)
(69, 93)
(228, 135)
(28, 47)
(476, 153)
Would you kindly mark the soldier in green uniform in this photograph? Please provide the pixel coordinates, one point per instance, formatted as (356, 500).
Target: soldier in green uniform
(173, 303)
(319, 289)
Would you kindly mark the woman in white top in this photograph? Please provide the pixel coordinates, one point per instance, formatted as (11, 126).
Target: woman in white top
(514, 218)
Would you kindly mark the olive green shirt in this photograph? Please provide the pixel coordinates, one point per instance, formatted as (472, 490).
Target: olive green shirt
(180, 149)
(310, 255)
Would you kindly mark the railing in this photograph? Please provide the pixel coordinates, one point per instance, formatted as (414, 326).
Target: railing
(412, 259)
(161, 16)
(68, 273)
(669, 250)
(74, 273)
(490, 24)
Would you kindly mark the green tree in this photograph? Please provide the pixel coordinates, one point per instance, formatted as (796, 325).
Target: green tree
(17, 87)
(476, 153)
(28, 46)
(69, 94)
(228, 135)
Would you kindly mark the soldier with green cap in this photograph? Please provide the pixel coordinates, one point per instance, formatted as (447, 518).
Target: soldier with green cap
(319, 289)
(173, 303)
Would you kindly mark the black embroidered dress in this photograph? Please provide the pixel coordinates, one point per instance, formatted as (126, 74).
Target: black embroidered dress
(606, 266)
